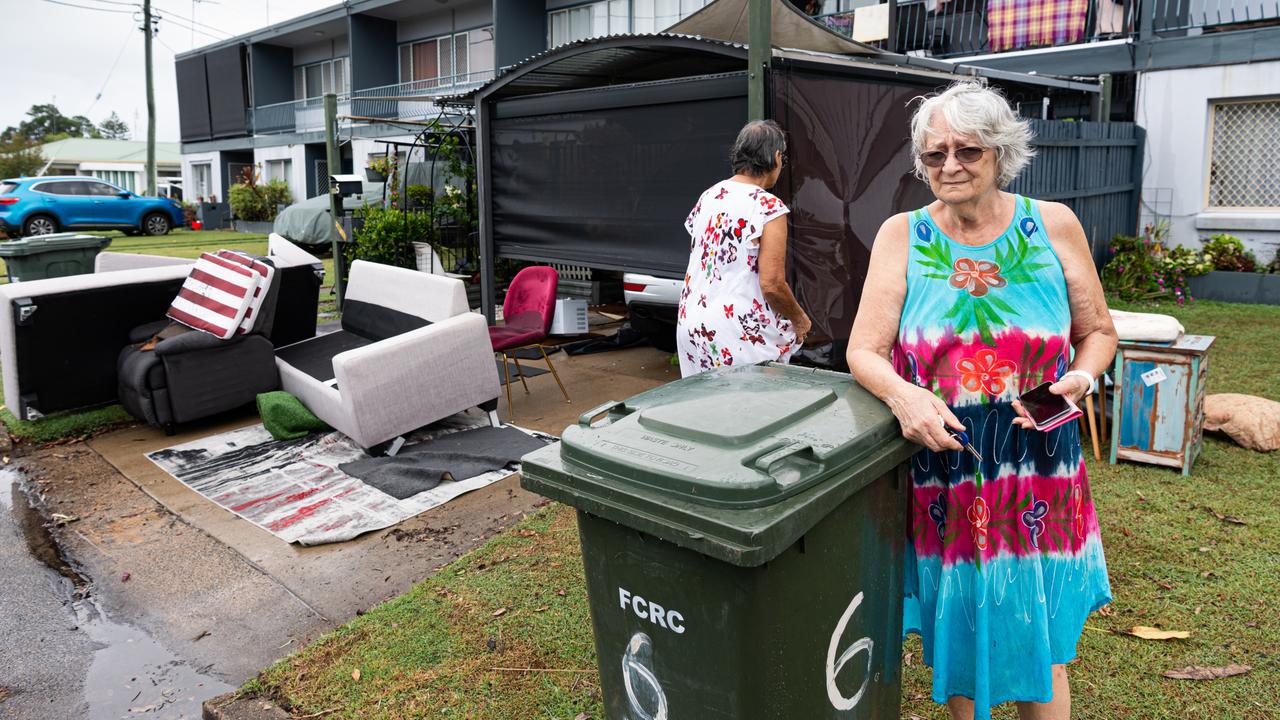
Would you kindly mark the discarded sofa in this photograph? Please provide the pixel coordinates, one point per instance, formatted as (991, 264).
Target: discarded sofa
(60, 339)
(410, 352)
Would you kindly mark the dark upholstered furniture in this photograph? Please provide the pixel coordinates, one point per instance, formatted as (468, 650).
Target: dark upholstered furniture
(171, 374)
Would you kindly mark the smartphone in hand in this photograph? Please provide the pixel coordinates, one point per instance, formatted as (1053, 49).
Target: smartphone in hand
(1046, 410)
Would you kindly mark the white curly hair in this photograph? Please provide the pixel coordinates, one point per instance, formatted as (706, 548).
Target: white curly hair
(970, 108)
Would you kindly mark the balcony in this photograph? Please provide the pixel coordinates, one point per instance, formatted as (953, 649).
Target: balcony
(954, 28)
(403, 101)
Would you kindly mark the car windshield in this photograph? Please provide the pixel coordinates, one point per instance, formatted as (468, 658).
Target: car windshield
(7, 187)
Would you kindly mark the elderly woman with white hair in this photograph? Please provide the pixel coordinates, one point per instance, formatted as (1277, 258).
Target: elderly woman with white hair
(970, 302)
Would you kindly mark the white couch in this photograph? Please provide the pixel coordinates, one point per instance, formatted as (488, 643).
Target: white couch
(409, 353)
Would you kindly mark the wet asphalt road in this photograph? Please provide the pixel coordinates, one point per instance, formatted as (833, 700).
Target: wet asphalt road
(44, 656)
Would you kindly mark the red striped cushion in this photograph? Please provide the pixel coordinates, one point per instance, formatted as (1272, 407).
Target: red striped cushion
(264, 271)
(215, 296)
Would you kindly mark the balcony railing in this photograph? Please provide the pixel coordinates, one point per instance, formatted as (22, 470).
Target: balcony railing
(951, 28)
(413, 100)
(403, 101)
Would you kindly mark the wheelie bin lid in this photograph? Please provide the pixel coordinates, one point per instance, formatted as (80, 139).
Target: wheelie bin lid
(36, 244)
(737, 463)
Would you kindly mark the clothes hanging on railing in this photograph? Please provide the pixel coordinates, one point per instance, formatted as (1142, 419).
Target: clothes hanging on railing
(1017, 24)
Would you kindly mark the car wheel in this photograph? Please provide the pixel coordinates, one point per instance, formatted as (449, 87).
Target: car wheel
(155, 224)
(39, 225)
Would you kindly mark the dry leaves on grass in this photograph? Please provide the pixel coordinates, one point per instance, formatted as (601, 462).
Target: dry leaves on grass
(1224, 518)
(1195, 672)
(355, 674)
(499, 612)
(1151, 633)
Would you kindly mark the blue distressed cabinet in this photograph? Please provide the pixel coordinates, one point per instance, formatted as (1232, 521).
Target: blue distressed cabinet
(1159, 402)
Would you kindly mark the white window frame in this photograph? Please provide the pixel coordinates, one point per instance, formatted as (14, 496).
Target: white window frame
(450, 39)
(335, 77)
(1209, 161)
(616, 17)
(202, 185)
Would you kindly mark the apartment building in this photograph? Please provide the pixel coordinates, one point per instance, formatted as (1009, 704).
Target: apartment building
(255, 101)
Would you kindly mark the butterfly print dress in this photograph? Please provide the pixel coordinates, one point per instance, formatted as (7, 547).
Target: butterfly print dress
(724, 318)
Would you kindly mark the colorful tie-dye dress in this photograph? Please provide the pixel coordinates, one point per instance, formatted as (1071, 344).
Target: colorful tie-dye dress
(1004, 561)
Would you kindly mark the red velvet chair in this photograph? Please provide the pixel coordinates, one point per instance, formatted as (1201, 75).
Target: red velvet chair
(526, 312)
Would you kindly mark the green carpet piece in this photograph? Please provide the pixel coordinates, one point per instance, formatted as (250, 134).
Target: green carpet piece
(286, 418)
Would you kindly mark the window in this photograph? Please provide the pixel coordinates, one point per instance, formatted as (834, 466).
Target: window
(100, 189)
(1243, 155)
(7, 187)
(607, 17)
(201, 180)
(442, 58)
(313, 81)
(69, 187)
(654, 16)
(123, 178)
(278, 170)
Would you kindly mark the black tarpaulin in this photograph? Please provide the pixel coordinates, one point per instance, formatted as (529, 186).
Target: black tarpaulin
(607, 179)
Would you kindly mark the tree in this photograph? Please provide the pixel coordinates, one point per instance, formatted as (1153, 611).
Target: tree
(45, 120)
(113, 128)
(19, 156)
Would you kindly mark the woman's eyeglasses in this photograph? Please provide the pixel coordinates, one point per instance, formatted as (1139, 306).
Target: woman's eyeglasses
(964, 156)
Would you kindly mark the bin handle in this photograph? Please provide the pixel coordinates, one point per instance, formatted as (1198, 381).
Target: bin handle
(587, 417)
(789, 473)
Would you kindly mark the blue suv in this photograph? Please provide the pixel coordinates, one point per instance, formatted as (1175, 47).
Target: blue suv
(43, 205)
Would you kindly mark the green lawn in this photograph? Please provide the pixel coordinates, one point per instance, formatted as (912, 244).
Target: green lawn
(179, 243)
(438, 650)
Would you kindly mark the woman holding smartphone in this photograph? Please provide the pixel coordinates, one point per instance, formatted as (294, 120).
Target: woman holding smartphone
(971, 301)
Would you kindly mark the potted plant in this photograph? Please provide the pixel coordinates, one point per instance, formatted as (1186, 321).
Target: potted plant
(380, 168)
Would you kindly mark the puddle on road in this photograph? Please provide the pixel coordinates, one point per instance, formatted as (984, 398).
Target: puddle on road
(131, 674)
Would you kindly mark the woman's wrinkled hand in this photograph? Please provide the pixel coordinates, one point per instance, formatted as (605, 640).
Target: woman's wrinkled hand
(918, 411)
(1073, 388)
(802, 329)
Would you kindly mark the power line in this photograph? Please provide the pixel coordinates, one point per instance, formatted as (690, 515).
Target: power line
(157, 11)
(128, 37)
(165, 18)
(87, 7)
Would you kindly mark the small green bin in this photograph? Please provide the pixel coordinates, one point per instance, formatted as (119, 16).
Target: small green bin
(742, 533)
(47, 256)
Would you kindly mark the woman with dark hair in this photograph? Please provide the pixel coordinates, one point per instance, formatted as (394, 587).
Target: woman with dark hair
(736, 306)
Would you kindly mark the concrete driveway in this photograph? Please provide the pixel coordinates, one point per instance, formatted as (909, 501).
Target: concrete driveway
(228, 598)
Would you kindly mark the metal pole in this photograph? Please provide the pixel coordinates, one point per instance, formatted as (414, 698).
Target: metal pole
(151, 100)
(1104, 98)
(759, 54)
(335, 202)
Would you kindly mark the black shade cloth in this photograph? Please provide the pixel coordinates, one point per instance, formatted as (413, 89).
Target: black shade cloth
(456, 456)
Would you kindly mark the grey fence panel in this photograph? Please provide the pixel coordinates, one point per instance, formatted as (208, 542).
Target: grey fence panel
(1095, 169)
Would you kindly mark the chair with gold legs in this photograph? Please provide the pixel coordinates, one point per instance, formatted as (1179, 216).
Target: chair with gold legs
(527, 313)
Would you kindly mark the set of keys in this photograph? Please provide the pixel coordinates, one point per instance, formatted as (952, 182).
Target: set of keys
(961, 437)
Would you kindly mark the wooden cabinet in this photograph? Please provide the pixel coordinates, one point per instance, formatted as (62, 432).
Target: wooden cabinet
(1159, 405)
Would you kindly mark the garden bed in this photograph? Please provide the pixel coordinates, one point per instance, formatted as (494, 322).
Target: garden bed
(1238, 287)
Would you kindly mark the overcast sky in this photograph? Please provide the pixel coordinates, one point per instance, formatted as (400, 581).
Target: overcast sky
(64, 55)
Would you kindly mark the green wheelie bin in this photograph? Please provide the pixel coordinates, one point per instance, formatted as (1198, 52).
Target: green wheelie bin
(742, 534)
(47, 256)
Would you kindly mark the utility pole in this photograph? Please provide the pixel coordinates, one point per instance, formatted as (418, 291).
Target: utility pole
(759, 54)
(147, 32)
(335, 201)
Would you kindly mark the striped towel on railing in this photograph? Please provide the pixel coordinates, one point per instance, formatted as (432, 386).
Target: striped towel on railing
(215, 296)
(1015, 24)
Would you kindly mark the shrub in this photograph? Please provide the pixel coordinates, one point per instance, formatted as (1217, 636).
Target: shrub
(419, 196)
(386, 235)
(189, 212)
(1226, 252)
(255, 201)
(1143, 268)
